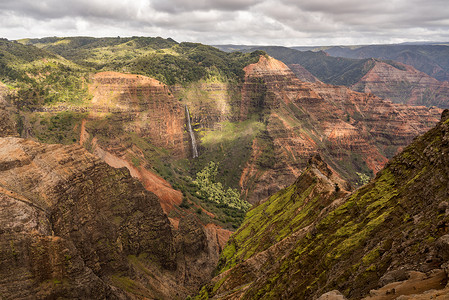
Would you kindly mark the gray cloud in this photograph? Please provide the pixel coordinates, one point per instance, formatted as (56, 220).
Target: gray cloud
(175, 6)
(282, 22)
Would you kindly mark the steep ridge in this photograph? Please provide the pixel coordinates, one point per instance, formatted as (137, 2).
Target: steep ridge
(353, 132)
(328, 69)
(387, 79)
(72, 226)
(404, 84)
(152, 182)
(430, 59)
(387, 239)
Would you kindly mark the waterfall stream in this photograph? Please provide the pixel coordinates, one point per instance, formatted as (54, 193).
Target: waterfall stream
(192, 136)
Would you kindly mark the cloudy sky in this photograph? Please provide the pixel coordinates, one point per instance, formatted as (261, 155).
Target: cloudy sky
(261, 22)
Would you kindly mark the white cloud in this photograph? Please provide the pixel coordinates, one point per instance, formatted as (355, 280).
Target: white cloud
(281, 22)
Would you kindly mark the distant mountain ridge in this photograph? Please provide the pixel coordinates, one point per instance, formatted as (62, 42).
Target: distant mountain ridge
(400, 84)
(430, 59)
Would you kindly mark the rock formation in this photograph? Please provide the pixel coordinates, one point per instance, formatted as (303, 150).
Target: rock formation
(302, 73)
(353, 132)
(404, 84)
(141, 122)
(142, 105)
(387, 240)
(71, 226)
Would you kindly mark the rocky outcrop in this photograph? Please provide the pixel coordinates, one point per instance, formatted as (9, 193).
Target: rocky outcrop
(387, 240)
(152, 182)
(36, 264)
(404, 84)
(142, 105)
(139, 106)
(353, 132)
(72, 226)
(100, 215)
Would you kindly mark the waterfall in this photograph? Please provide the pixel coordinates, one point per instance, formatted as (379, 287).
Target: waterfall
(192, 136)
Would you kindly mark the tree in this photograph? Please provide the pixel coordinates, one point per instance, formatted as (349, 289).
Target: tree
(213, 191)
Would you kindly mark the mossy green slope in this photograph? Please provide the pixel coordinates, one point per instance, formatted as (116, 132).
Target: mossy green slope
(388, 225)
(284, 213)
(163, 59)
(37, 77)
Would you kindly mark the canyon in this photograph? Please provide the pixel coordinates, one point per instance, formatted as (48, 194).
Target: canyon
(353, 132)
(386, 240)
(408, 81)
(113, 211)
(75, 227)
(404, 84)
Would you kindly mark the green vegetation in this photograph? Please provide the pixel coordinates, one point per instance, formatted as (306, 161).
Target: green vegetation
(111, 129)
(58, 69)
(163, 59)
(37, 77)
(231, 146)
(363, 178)
(275, 219)
(189, 62)
(267, 158)
(62, 127)
(213, 191)
(355, 241)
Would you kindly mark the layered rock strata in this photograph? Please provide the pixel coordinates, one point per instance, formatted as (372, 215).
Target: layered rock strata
(71, 226)
(387, 240)
(353, 132)
(404, 84)
(143, 105)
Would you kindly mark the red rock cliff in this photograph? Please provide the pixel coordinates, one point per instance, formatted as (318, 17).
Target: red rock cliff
(353, 132)
(146, 106)
(71, 226)
(404, 84)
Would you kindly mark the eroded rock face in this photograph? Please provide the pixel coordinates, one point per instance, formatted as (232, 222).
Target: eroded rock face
(145, 106)
(73, 226)
(353, 132)
(35, 264)
(404, 84)
(210, 103)
(386, 240)
(99, 213)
